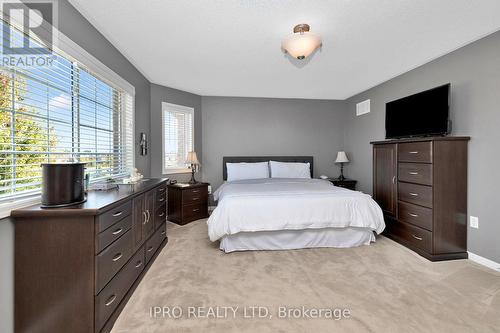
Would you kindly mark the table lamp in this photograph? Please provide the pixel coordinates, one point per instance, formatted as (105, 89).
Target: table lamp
(341, 158)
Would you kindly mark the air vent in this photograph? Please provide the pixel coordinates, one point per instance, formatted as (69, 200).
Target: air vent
(363, 108)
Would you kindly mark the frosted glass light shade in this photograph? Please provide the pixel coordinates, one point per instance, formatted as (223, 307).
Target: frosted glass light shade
(341, 157)
(301, 44)
(192, 158)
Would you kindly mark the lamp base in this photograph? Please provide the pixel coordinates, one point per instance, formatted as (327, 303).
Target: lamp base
(341, 177)
(192, 180)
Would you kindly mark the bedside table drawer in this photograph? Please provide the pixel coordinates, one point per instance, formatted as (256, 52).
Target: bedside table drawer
(194, 212)
(195, 195)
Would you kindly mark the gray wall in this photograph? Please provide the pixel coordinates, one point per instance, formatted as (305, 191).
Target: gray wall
(161, 94)
(6, 276)
(266, 126)
(474, 72)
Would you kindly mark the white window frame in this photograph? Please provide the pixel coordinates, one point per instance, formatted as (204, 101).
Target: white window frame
(181, 108)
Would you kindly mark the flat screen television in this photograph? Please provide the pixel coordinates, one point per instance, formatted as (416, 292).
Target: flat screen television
(422, 114)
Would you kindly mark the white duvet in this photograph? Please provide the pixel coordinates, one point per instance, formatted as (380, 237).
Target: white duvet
(290, 204)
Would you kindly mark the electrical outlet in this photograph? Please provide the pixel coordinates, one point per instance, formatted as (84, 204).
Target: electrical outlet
(474, 222)
(209, 189)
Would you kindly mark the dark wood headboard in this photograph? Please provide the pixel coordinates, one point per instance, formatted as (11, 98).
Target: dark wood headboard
(250, 159)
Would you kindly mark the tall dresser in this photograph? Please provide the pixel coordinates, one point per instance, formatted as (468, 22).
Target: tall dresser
(76, 267)
(421, 186)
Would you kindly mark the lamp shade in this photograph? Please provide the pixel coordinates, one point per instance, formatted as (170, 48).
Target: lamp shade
(192, 158)
(341, 157)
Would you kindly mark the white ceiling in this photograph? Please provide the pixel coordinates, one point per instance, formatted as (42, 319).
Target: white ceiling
(232, 48)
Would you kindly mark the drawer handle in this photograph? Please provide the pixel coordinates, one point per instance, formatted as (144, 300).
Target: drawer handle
(117, 256)
(139, 264)
(413, 215)
(413, 194)
(194, 199)
(117, 213)
(394, 180)
(417, 238)
(110, 300)
(148, 214)
(195, 191)
(195, 210)
(413, 173)
(161, 214)
(145, 218)
(161, 199)
(161, 189)
(163, 232)
(150, 249)
(117, 231)
(413, 152)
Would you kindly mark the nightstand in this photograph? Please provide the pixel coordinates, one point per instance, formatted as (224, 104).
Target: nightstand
(349, 184)
(187, 202)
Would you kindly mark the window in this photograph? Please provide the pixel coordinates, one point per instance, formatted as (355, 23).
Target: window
(178, 129)
(59, 113)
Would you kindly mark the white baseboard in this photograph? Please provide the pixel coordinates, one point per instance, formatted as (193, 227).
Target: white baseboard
(485, 262)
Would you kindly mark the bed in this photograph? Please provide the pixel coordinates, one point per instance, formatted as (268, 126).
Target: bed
(290, 213)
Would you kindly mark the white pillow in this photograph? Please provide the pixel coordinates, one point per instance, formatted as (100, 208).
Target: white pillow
(240, 171)
(290, 170)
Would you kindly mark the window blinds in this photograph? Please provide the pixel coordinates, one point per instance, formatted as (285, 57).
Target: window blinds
(60, 113)
(177, 136)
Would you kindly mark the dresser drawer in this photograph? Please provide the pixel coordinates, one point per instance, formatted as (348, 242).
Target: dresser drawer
(416, 236)
(160, 215)
(109, 235)
(415, 152)
(160, 199)
(112, 216)
(415, 194)
(415, 173)
(195, 195)
(194, 212)
(416, 215)
(110, 297)
(155, 241)
(161, 190)
(112, 259)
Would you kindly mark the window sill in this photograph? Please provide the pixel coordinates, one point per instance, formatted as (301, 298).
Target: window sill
(7, 207)
(176, 171)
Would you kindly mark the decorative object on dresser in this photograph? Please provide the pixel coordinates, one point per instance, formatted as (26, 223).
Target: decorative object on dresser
(187, 202)
(349, 184)
(421, 186)
(192, 159)
(341, 158)
(75, 268)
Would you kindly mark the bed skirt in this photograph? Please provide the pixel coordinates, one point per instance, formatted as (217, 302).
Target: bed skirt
(297, 239)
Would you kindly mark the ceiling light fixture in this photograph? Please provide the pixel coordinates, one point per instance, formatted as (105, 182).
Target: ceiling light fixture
(301, 43)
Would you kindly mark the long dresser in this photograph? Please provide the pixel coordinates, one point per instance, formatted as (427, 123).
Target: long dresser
(421, 186)
(76, 267)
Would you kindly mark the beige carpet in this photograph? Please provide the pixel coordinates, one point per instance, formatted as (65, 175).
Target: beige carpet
(386, 288)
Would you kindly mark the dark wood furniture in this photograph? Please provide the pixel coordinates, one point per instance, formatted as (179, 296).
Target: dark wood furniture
(421, 186)
(349, 184)
(76, 267)
(187, 202)
(253, 159)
